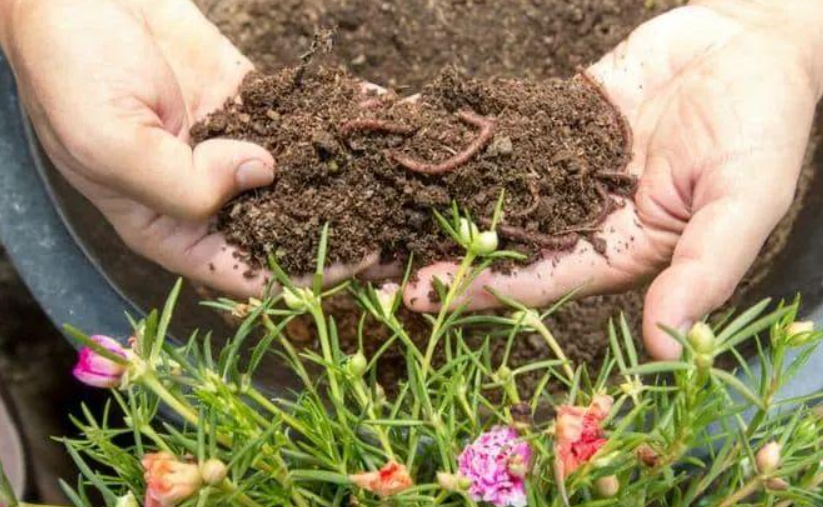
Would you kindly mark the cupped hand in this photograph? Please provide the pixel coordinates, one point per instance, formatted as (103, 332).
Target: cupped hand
(720, 96)
(112, 88)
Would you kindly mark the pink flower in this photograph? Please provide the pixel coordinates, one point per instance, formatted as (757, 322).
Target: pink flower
(496, 464)
(579, 435)
(389, 480)
(169, 481)
(97, 371)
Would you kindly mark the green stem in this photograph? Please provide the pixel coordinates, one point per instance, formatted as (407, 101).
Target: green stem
(366, 403)
(543, 331)
(746, 491)
(456, 286)
(182, 408)
(328, 356)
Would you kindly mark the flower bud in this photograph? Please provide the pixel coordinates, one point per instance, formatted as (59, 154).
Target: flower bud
(357, 365)
(386, 297)
(97, 371)
(467, 231)
(704, 361)
(646, 455)
(485, 243)
(453, 482)
(527, 318)
(504, 373)
(297, 299)
(607, 487)
(768, 458)
(701, 337)
(776, 484)
(213, 471)
(799, 333)
(127, 500)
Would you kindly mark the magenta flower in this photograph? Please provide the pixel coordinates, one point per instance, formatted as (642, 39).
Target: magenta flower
(97, 371)
(496, 464)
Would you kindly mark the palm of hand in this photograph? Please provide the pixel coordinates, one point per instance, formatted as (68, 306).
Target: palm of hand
(139, 74)
(719, 137)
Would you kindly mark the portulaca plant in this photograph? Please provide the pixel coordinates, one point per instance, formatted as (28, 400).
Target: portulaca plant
(197, 431)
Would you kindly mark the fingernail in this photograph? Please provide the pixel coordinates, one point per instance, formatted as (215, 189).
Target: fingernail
(253, 174)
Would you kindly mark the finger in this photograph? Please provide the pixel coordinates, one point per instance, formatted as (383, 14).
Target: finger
(719, 244)
(164, 173)
(626, 260)
(191, 250)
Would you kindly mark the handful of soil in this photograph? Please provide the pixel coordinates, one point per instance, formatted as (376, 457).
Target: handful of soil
(374, 167)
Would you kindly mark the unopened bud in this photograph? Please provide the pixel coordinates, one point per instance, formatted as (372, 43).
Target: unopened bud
(799, 333)
(467, 231)
(701, 338)
(485, 243)
(358, 364)
(607, 487)
(504, 373)
(704, 361)
(127, 500)
(213, 471)
(294, 299)
(453, 482)
(776, 484)
(646, 455)
(768, 458)
(386, 297)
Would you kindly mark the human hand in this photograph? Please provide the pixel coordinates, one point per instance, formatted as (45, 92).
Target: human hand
(720, 96)
(112, 87)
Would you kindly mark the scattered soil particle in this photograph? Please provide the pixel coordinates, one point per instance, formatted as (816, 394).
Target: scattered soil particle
(375, 174)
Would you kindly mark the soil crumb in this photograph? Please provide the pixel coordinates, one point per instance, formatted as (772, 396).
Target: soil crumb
(374, 167)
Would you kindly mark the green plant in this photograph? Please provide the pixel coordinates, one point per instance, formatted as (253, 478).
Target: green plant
(671, 434)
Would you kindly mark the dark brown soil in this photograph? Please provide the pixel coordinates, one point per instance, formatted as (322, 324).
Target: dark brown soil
(375, 168)
(405, 43)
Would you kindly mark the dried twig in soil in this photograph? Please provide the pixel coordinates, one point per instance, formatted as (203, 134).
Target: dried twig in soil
(486, 126)
(322, 42)
(551, 241)
(374, 125)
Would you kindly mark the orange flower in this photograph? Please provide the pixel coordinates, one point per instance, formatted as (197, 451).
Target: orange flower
(168, 481)
(579, 435)
(389, 480)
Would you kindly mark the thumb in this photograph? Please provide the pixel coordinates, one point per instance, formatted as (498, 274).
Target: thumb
(164, 173)
(716, 249)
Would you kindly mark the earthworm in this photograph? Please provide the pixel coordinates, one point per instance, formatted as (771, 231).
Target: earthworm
(374, 125)
(593, 225)
(551, 241)
(535, 194)
(372, 103)
(486, 126)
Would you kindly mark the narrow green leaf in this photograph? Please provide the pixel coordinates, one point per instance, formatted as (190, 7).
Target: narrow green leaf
(738, 386)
